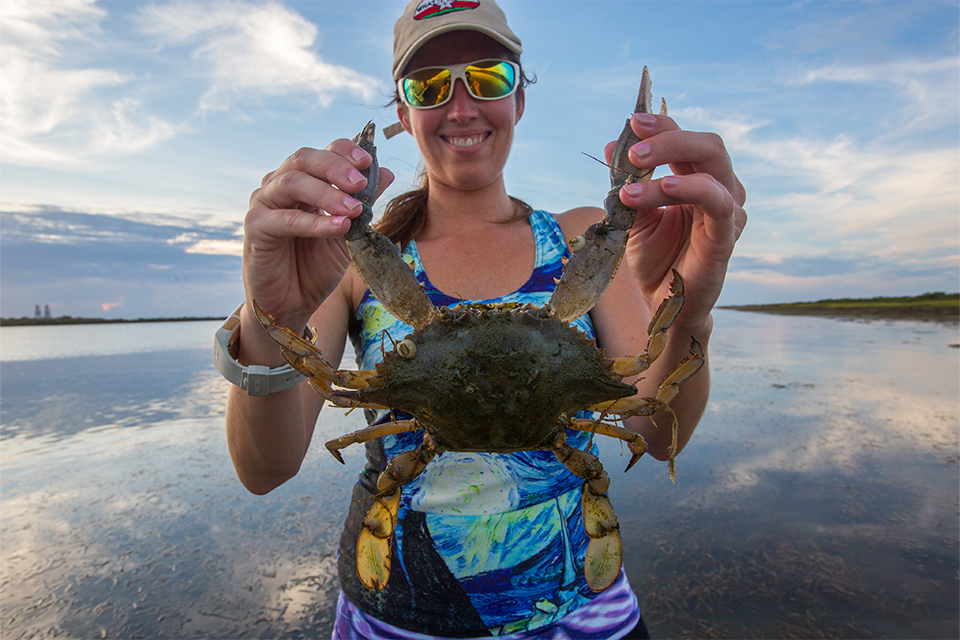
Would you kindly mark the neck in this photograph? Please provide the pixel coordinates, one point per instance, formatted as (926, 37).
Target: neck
(452, 211)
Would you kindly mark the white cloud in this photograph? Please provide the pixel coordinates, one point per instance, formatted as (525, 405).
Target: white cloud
(877, 192)
(217, 247)
(52, 110)
(923, 89)
(66, 96)
(250, 51)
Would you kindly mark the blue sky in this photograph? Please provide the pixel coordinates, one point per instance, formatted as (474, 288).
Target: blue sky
(134, 132)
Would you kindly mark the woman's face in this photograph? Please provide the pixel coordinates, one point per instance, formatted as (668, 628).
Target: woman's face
(465, 142)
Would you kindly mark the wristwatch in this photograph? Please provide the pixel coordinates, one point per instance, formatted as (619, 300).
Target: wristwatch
(256, 380)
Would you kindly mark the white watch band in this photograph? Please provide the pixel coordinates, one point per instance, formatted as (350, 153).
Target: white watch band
(256, 380)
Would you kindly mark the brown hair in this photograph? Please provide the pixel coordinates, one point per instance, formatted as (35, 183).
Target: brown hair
(406, 215)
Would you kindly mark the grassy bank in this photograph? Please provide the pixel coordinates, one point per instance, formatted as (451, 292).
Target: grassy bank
(936, 307)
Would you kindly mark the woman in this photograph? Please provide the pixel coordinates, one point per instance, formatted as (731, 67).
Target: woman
(485, 544)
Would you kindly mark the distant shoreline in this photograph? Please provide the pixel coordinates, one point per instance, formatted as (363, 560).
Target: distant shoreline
(930, 307)
(37, 322)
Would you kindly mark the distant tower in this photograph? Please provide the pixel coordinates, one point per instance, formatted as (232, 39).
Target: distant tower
(46, 311)
(36, 312)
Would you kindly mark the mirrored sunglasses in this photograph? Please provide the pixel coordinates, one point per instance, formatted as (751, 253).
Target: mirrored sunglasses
(485, 79)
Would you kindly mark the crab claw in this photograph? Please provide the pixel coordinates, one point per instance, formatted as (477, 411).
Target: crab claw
(601, 248)
(366, 197)
(604, 555)
(373, 543)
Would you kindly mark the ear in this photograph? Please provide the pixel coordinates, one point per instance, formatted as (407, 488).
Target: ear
(521, 101)
(402, 115)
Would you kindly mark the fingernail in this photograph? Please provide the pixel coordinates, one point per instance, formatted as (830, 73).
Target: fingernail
(359, 154)
(351, 204)
(670, 182)
(646, 119)
(641, 150)
(355, 177)
(634, 189)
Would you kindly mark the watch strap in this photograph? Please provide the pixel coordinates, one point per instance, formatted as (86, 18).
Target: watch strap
(256, 380)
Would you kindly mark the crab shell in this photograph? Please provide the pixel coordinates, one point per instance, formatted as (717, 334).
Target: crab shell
(494, 379)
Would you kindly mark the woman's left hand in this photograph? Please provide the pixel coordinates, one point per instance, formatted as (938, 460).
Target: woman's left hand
(689, 221)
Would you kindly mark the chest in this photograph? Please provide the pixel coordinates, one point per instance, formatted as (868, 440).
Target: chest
(479, 268)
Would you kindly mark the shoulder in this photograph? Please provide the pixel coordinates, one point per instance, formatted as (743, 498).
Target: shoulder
(575, 221)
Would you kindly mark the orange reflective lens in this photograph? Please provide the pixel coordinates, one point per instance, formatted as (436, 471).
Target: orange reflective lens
(433, 86)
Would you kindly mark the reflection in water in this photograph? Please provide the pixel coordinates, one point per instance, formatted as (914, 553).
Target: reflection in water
(818, 498)
(122, 516)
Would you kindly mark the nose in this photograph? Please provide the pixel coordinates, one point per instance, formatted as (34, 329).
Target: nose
(463, 106)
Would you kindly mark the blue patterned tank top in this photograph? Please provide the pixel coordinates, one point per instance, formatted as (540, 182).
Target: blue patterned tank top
(486, 543)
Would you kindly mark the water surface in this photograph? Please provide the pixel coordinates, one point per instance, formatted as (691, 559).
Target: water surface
(818, 498)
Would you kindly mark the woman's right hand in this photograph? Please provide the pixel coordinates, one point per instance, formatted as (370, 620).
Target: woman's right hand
(294, 254)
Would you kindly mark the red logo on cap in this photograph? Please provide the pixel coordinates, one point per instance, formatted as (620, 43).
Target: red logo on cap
(431, 8)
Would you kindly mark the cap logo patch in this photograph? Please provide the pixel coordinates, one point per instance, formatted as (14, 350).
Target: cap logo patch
(433, 8)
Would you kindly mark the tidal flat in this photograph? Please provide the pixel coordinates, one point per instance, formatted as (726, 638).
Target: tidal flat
(818, 498)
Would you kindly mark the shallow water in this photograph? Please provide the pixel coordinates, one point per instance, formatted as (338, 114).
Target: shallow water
(819, 497)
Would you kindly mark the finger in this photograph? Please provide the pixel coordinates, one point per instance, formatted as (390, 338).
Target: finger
(644, 125)
(339, 164)
(297, 189)
(703, 191)
(608, 151)
(386, 179)
(293, 223)
(664, 143)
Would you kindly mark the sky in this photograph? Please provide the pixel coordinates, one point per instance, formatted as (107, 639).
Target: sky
(132, 134)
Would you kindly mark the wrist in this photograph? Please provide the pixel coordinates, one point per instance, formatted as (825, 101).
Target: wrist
(256, 379)
(699, 328)
(254, 345)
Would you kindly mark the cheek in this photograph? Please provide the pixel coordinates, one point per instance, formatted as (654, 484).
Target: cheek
(503, 114)
(423, 122)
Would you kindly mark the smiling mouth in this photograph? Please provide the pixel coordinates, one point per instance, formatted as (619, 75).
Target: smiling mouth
(466, 141)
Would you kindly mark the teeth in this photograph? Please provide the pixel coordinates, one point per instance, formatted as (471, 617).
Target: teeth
(466, 142)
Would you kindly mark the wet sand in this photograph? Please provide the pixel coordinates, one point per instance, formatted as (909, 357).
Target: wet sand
(818, 498)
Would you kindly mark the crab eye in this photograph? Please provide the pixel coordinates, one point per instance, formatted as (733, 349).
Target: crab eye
(576, 244)
(407, 349)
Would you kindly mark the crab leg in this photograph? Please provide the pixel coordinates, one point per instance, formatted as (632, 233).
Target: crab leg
(604, 556)
(597, 254)
(378, 260)
(669, 387)
(307, 359)
(373, 542)
(635, 441)
(657, 330)
(369, 433)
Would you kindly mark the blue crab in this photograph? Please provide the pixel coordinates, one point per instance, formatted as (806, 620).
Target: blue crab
(519, 374)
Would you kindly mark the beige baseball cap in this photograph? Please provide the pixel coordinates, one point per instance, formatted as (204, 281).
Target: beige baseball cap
(426, 19)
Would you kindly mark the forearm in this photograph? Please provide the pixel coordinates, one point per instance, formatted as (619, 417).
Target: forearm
(266, 438)
(266, 435)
